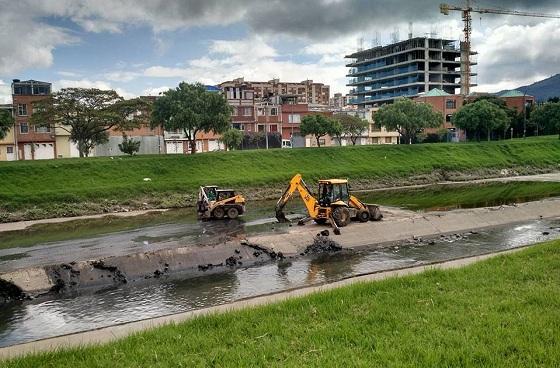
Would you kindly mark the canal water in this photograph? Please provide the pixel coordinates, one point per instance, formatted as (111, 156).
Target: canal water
(43, 318)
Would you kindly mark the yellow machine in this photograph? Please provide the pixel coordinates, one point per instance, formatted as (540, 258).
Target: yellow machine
(335, 204)
(215, 203)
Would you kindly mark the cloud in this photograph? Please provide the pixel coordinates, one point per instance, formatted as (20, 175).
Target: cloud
(5, 93)
(155, 91)
(87, 83)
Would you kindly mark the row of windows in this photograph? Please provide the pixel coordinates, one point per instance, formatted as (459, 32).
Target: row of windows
(24, 128)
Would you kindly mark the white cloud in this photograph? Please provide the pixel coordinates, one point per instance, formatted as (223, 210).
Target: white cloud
(5, 93)
(121, 76)
(86, 83)
(155, 91)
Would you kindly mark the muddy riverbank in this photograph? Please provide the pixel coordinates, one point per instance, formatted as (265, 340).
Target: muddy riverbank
(192, 260)
(182, 200)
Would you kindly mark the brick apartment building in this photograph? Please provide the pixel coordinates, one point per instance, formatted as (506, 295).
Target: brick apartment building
(33, 142)
(306, 91)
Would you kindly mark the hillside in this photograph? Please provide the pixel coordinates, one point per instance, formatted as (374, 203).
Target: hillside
(67, 187)
(544, 89)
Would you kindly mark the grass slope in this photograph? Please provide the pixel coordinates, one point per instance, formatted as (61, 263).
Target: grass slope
(504, 312)
(43, 183)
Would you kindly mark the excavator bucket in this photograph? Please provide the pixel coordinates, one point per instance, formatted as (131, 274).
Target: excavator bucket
(374, 212)
(280, 216)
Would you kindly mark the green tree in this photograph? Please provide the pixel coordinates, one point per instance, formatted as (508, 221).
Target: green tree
(337, 131)
(129, 146)
(192, 109)
(352, 126)
(547, 116)
(318, 126)
(481, 116)
(408, 118)
(6, 123)
(232, 138)
(88, 114)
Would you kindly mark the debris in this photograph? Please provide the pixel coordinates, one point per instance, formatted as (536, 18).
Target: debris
(237, 251)
(322, 244)
(231, 261)
(546, 233)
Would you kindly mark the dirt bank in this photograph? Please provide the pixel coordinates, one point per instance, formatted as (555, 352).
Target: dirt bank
(178, 200)
(194, 260)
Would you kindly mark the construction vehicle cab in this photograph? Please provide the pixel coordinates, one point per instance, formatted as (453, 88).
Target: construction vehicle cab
(215, 203)
(335, 204)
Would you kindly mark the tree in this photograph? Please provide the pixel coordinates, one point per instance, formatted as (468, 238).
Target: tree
(232, 138)
(337, 131)
(481, 116)
(88, 114)
(555, 99)
(6, 123)
(547, 116)
(352, 126)
(192, 109)
(408, 118)
(317, 125)
(129, 146)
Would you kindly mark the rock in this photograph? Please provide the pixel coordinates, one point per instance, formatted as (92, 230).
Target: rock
(325, 233)
(231, 262)
(322, 244)
(546, 233)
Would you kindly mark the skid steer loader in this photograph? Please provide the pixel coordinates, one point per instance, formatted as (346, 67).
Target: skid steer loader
(335, 204)
(216, 203)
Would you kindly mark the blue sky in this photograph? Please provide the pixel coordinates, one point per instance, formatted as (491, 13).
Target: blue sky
(146, 46)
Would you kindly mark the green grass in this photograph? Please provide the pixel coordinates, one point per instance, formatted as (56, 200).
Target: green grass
(503, 312)
(45, 184)
(464, 195)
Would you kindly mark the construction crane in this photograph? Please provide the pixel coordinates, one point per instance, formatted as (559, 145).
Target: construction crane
(466, 44)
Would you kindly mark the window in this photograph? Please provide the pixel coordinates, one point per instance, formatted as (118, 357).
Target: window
(322, 141)
(274, 111)
(42, 129)
(23, 128)
(261, 128)
(238, 126)
(448, 118)
(9, 150)
(375, 140)
(375, 128)
(388, 140)
(247, 111)
(450, 104)
(22, 109)
(248, 95)
(273, 128)
(294, 118)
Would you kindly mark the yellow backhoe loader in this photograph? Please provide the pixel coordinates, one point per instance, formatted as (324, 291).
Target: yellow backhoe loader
(215, 203)
(335, 204)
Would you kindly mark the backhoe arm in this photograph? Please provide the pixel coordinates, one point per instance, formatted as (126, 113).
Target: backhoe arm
(298, 184)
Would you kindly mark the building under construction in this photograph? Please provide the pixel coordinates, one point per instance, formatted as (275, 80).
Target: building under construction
(404, 69)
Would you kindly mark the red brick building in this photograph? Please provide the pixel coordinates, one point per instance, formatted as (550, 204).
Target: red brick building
(34, 142)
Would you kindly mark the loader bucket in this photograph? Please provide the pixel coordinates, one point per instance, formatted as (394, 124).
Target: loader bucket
(374, 212)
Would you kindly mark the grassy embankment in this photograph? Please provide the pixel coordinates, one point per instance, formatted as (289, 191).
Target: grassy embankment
(430, 197)
(504, 312)
(39, 189)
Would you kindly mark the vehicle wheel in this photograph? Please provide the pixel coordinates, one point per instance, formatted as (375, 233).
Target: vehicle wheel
(218, 213)
(321, 221)
(233, 212)
(341, 216)
(363, 216)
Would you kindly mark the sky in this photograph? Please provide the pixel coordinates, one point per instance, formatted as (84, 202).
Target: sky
(143, 47)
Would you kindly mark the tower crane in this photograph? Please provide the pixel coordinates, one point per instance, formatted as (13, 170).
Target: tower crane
(466, 52)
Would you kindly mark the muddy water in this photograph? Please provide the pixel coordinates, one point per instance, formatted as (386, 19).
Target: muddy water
(28, 321)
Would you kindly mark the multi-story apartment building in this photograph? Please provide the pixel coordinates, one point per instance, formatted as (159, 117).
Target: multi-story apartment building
(403, 69)
(306, 91)
(338, 101)
(34, 142)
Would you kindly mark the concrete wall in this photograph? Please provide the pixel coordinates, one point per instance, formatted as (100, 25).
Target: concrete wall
(150, 145)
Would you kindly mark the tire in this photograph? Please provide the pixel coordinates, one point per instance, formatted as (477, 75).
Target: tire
(321, 221)
(232, 212)
(341, 216)
(218, 213)
(363, 216)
